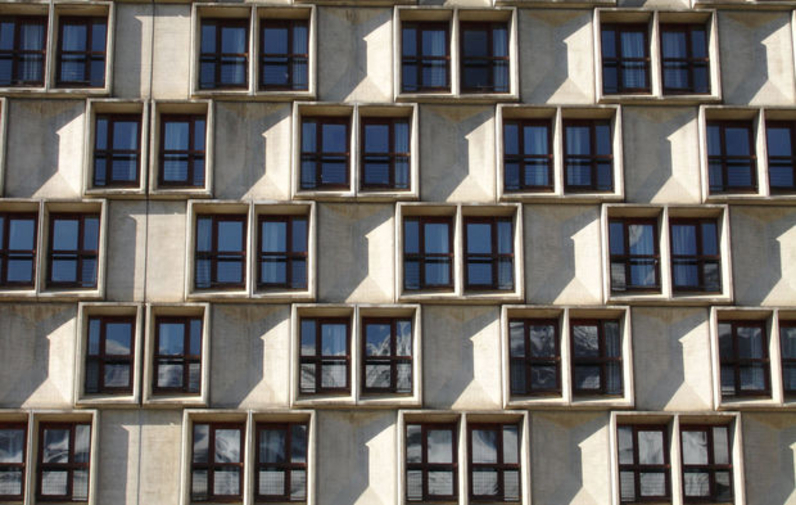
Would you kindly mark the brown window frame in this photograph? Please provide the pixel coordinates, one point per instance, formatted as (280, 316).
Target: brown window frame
(523, 160)
(192, 154)
(214, 255)
(418, 59)
(318, 157)
(619, 61)
(109, 153)
(187, 359)
(690, 61)
(700, 258)
(69, 467)
(528, 362)
(22, 466)
(602, 361)
(593, 159)
(629, 259)
(725, 159)
(290, 57)
(711, 467)
(393, 359)
(425, 467)
(318, 359)
(494, 258)
(288, 466)
(80, 254)
(89, 55)
(16, 54)
(211, 466)
(289, 256)
(217, 57)
(6, 253)
(392, 156)
(782, 160)
(638, 468)
(102, 358)
(500, 466)
(787, 362)
(737, 362)
(422, 257)
(491, 61)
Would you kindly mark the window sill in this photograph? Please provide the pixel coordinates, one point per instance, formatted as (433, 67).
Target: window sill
(695, 299)
(106, 400)
(324, 194)
(387, 400)
(752, 199)
(285, 295)
(217, 294)
(650, 99)
(17, 294)
(69, 294)
(597, 402)
(22, 91)
(167, 401)
(552, 3)
(368, 195)
(461, 98)
(128, 192)
(540, 402)
(323, 400)
(169, 193)
(756, 403)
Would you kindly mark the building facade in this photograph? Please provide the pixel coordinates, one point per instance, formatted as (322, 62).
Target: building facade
(374, 252)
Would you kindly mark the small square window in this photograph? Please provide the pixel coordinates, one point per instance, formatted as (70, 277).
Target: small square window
(626, 59)
(787, 335)
(743, 353)
(18, 237)
(217, 461)
(425, 57)
(596, 357)
(64, 461)
(428, 253)
(220, 251)
(485, 58)
(644, 473)
(325, 153)
(110, 355)
(281, 464)
(534, 357)
(731, 157)
(528, 155)
(696, 257)
(489, 253)
(387, 355)
(635, 259)
(685, 59)
(431, 462)
(781, 156)
(283, 251)
(23, 50)
(117, 150)
(494, 451)
(588, 155)
(81, 52)
(73, 255)
(385, 154)
(182, 150)
(13, 453)
(177, 356)
(707, 464)
(284, 57)
(325, 356)
(224, 54)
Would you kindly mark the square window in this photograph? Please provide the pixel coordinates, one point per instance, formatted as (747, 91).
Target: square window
(534, 357)
(743, 354)
(64, 461)
(281, 464)
(685, 59)
(23, 50)
(182, 152)
(217, 461)
(385, 154)
(696, 257)
(596, 357)
(588, 156)
(325, 355)
(489, 253)
(220, 251)
(81, 57)
(428, 253)
(787, 335)
(73, 254)
(283, 251)
(634, 256)
(731, 157)
(109, 356)
(117, 150)
(325, 153)
(644, 473)
(781, 156)
(707, 463)
(387, 355)
(425, 57)
(18, 238)
(485, 58)
(13, 452)
(625, 58)
(224, 54)
(177, 355)
(284, 56)
(494, 452)
(528, 155)
(431, 462)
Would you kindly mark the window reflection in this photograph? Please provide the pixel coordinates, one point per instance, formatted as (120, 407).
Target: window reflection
(325, 355)
(178, 355)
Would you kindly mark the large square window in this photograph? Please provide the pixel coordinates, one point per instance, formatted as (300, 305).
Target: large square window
(625, 58)
(81, 52)
(281, 463)
(528, 155)
(220, 253)
(494, 451)
(385, 153)
(644, 473)
(431, 462)
(23, 50)
(18, 233)
(13, 451)
(707, 464)
(117, 150)
(325, 357)
(177, 357)
(284, 57)
(224, 54)
(588, 155)
(428, 253)
(64, 462)
(387, 355)
(534, 357)
(283, 252)
(685, 59)
(425, 57)
(781, 156)
(635, 259)
(731, 157)
(325, 153)
(73, 255)
(485, 57)
(182, 150)
(743, 353)
(596, 357)
(110, 355)
(696, 260)
(217, 461)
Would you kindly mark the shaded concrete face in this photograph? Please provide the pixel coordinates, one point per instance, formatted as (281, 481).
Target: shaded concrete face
(768, 454)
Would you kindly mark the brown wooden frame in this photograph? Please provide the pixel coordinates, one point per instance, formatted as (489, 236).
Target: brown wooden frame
(689, 61)
(393, 359)
(620, 61)
(6, 253)
(289, 255)
(523, 160)
(592, 159)
(191, 155)
(319, 360)
(218, 56)
(211, 466)
(700, 258)
(290, 57)
(490, 61)
(711, 468)
(425, 467)
(79, 255)
(109, 153)
(638, 468)
(418, 60)
(602, 361)
(102, 358)
(724, 159)
(738, 362)
(69, 467)
(528, 362)
(630, 259)
(318, 157)
(500, 467)
(287, 467)
(16, 425)
(494, 257)
(422, 257)
(186, 359)
(392, 156)
(89, 55)
(783, 161)
(17, 54)
(215, 256)
(788, 362)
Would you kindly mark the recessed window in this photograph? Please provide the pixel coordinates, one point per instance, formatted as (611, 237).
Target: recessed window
(428, 253)
(485, 57)
(325, 361)
(74, 250)
(425, 57)
(744, 358)
(281, 462)
(117, 150)
(588, 155)
(178, 355)
(283, 252)
(13, 449)
(109, 356)
(17, 249)
(489, 253)
(220, 260)
(596, 357)
(635, 260)
(626, 58)
(22, 50)
(707, 463)
(385, 153)
(528, 155)
(494, 452)
(644, 473)
(696, 261)
(182, 150)
(224, 54)
(781, 156)
(64, 461)
(534, 357)
(387, 363)
(81, 52)
(431, 462)
(325, 153)
(217, 461)
(731, 157)
(284, 55)
(787, 335)
(685, 59)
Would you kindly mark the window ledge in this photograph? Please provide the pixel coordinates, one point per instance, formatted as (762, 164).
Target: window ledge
(215, 294)
(650, 99)
(389, 401)
(595, 402)
(757, 403)
(167, 401)
(323, 400)
(465, 98)
(537, 402)
(71, 294)
(387, 196)
(284, 295)
(180, 193)
(138, 192)
(752, 199)
(550, 197)
(328, 195)
(17, 294)
(557, 3)
(104, 400)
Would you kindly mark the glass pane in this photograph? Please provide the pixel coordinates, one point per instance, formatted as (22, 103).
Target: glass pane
(377, 376)
(125, 135)
(94, 336)
(695, 447)
(414, 448)
(627, 486)
(171, 339)
(403, 382)
(511, 448)
(272, 446)
(274, 236)
(403, 344)
(230, 236)
(80, 485)
(723, 486)
(199, 484)
(517, 339)
(308, 337)
(195, 344)
(543, 341)
(228, 444)
(334, 375)
(12, 444)
(65, 234)
(299, 242)
(721, 449)
(650, 448)
(118, 338)
(485, 482)
(484, 446)
(440, 483)
(736, 141)
(587, 377)
(54, 483)
(298, 485)
(652, 483)
(440, 446)
(696, 483)
(586, 340)
(377, 339)
(21, 234)
(170, 375)
(436, 236)
(271, 482)
(624, 435)
(117, 376)
(750, 341)
(377, 138)
(298, 447)
(307, 377)
(226, 482)
(56, 446)
(334, 339)
(10, 482)
(334, 138)
(201, 435)
(544, 377)
(414, 484)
